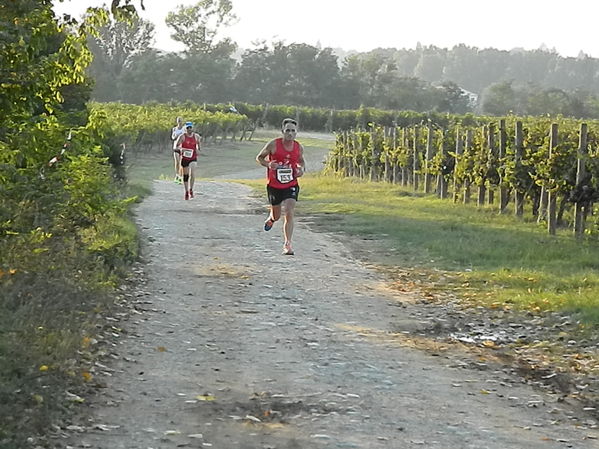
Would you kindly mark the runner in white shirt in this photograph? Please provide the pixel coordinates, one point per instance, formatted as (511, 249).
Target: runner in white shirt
(175, 133)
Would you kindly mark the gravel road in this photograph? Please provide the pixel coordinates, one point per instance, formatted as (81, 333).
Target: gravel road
(233, 345)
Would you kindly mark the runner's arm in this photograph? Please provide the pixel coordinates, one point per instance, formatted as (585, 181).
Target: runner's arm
(301, 166)
(266, 151)
(179, 142)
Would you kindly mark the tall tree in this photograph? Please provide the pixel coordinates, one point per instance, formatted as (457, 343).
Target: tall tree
(115, 47)
(118, 42)
(206, 67)
(431, 64)
(500, 99)
(298, 74)
(151, 76)
(198, 26)
(453, 99)
(252, 76)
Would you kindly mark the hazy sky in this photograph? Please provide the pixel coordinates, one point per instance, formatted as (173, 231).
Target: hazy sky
(569, 26)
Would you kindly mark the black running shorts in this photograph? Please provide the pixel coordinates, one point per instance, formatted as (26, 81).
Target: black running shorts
(186, 162)
(277, 196)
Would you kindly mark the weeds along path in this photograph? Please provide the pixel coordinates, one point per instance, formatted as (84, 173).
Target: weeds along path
(241, 347)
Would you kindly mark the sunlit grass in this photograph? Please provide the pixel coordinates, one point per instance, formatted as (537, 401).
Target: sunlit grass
(499, 261)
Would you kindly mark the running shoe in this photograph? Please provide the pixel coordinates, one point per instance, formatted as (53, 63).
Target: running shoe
(287, 251)
(268, 224)
(186, 195)
(191, 194)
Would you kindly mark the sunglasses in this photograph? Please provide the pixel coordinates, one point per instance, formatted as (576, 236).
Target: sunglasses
(290, 131)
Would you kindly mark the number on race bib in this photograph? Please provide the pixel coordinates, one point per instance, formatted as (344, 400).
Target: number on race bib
(187, 154)
(284, 175)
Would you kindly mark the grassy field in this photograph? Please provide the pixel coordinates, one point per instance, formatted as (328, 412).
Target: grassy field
(484, 258)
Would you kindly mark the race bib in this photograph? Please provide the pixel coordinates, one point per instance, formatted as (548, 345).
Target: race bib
(284, 175)
(187, 154)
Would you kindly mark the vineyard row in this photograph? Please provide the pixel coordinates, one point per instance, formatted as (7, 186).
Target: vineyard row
(552, 168)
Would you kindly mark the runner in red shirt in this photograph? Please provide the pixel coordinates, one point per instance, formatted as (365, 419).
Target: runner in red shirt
(284, 160)
(189, 145)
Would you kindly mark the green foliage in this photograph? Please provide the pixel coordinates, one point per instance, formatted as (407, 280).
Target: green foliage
(197, 26)
(138, 127)
(480, 162)
(63, 228)
(509, 97)
(116, 47)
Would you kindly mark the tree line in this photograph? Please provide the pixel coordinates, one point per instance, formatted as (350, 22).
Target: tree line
(212, 69)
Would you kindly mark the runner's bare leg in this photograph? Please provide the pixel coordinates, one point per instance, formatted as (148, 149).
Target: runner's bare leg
(192, 174)
(289, 205)
(275, 212)
(178, 168)
(185, 171)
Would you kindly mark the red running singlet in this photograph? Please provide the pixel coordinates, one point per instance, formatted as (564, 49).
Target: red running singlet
(283, 178)
(188, 147)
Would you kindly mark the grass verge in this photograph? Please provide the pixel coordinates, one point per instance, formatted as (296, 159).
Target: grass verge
(489, 259)
(57, 290)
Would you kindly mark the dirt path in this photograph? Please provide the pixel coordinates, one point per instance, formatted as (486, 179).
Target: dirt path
(235, 346)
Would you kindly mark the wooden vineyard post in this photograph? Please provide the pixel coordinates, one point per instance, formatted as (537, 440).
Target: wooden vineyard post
(405, 169)
(491, 145)
(551, 192)
(504, 196)
(356, 153)
(519, 148)
(542, 212)
(395, 174)
(580, 211)
(416, 161)
(373, 157)
(341, 138)
(342, 160)
(344, 156)
(350, 152)
(355, 168)
(362, 158)
(459, 148)
(467, 148)
(482, 188)
(389, 134)
(441, 181)
(427, 161)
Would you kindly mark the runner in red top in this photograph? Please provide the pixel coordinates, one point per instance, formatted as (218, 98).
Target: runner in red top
(189, 145)
(284, 160)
